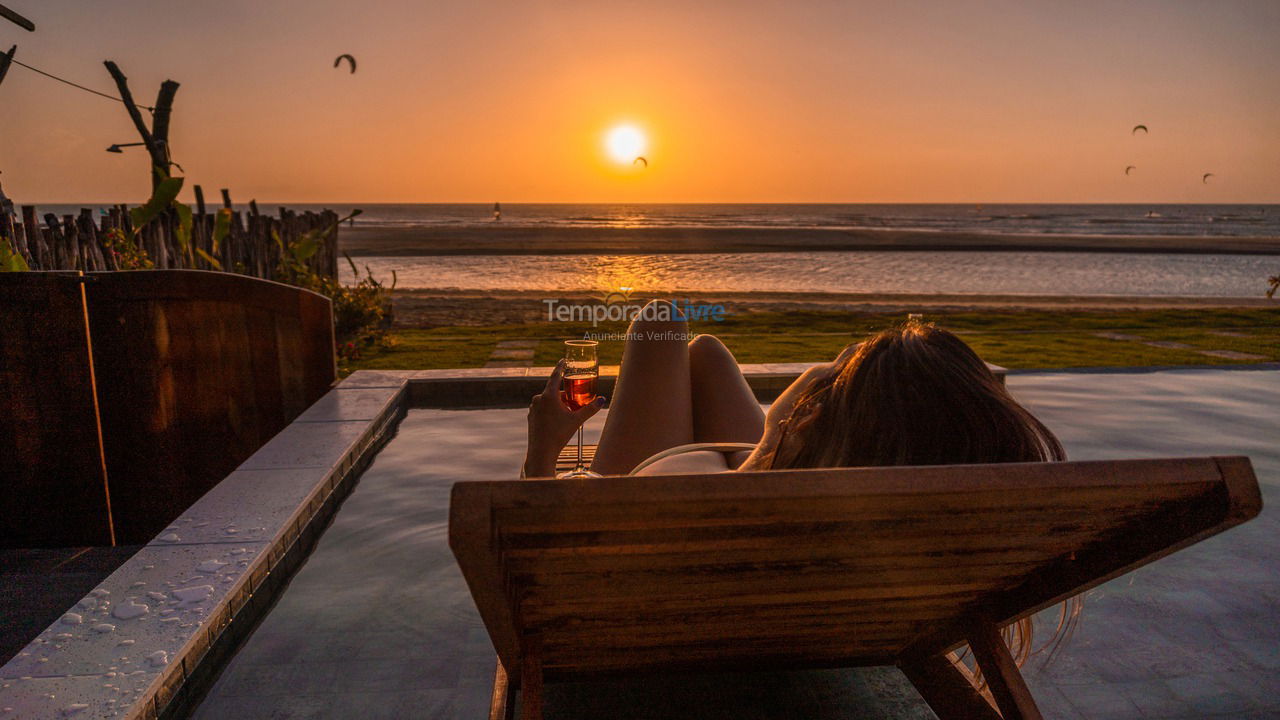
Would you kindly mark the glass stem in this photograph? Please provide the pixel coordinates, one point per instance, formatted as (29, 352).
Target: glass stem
(580, 447)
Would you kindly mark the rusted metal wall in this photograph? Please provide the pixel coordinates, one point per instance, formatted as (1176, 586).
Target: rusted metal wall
(194, 371)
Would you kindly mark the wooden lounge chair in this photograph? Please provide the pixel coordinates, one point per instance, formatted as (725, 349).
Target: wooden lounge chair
(817, 568)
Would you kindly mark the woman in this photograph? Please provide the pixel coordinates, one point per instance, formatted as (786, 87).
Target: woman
(912, 395)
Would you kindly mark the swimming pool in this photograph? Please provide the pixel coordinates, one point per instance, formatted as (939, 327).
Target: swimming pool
(379, 622)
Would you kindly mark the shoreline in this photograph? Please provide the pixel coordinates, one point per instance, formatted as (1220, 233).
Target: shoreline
(433, 308)
(392, 241)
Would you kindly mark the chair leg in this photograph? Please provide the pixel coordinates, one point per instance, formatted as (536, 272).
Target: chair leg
(531, 679)
(1001, 673)
(949, 689)
(502, 706)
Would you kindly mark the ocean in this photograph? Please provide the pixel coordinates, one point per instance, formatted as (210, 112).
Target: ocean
(1016, 219)
(1180, 220)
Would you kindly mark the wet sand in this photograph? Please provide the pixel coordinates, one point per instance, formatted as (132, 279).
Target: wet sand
(434, 308)
(525, 240)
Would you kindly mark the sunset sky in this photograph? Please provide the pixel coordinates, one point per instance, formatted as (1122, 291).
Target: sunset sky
(740, 101)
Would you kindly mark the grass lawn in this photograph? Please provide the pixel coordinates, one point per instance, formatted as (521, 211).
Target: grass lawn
(1014, 339)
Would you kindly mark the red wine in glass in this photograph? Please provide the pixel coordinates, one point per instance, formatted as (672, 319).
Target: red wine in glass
(577, 391)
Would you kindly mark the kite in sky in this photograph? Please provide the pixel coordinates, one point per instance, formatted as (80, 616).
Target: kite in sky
(348, 58)
(640, 160)
(1136, 128)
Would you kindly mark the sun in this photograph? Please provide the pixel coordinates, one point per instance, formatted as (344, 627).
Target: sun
(625, 143)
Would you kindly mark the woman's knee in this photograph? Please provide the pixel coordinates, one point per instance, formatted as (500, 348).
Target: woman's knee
(707, 350)
(663, 318)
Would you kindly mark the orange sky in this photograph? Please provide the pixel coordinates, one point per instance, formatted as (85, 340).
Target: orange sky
(742, 101)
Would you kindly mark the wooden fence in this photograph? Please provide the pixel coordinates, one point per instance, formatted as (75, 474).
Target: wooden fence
(86, 242)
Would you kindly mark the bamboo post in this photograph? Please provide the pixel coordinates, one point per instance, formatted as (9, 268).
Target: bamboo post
(71, 229)
(35, 239)
(88, 234)
(51, 230)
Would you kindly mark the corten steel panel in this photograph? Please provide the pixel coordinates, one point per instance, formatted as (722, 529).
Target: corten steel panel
(51, 480)
(196, 371)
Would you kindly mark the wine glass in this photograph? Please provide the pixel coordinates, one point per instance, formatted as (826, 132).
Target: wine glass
(578, 389)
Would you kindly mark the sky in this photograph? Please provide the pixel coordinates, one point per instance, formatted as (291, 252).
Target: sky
(739, 101)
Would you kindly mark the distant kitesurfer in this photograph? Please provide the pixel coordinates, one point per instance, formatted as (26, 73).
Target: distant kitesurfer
(338, 61)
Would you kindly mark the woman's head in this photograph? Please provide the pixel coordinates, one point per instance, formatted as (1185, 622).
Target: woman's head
(912, 395)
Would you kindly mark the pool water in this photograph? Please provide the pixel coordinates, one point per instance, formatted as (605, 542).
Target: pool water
(379, 623)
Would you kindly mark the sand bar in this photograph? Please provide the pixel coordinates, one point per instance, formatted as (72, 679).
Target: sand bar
(531, 240)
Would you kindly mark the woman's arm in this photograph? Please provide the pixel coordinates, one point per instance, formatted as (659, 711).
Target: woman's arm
(776, 419)
(782, 420)
(551, 426)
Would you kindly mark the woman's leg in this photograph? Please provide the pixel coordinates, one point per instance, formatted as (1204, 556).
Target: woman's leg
(651, 408)
(724, 408)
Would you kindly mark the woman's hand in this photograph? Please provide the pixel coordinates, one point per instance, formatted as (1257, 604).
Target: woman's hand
(552, 424)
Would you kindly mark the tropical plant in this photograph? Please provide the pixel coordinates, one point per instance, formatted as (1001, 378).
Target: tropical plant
(125, 250)
(221, 229)
(361, 312)
(10, 259)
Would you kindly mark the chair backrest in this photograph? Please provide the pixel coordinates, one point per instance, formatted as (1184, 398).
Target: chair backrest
(836, 567)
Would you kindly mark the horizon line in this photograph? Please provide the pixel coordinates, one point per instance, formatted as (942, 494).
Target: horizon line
(667, 202)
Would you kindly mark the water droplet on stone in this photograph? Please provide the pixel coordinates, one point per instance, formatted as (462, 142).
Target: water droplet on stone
(129, 610)
(211, 566)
